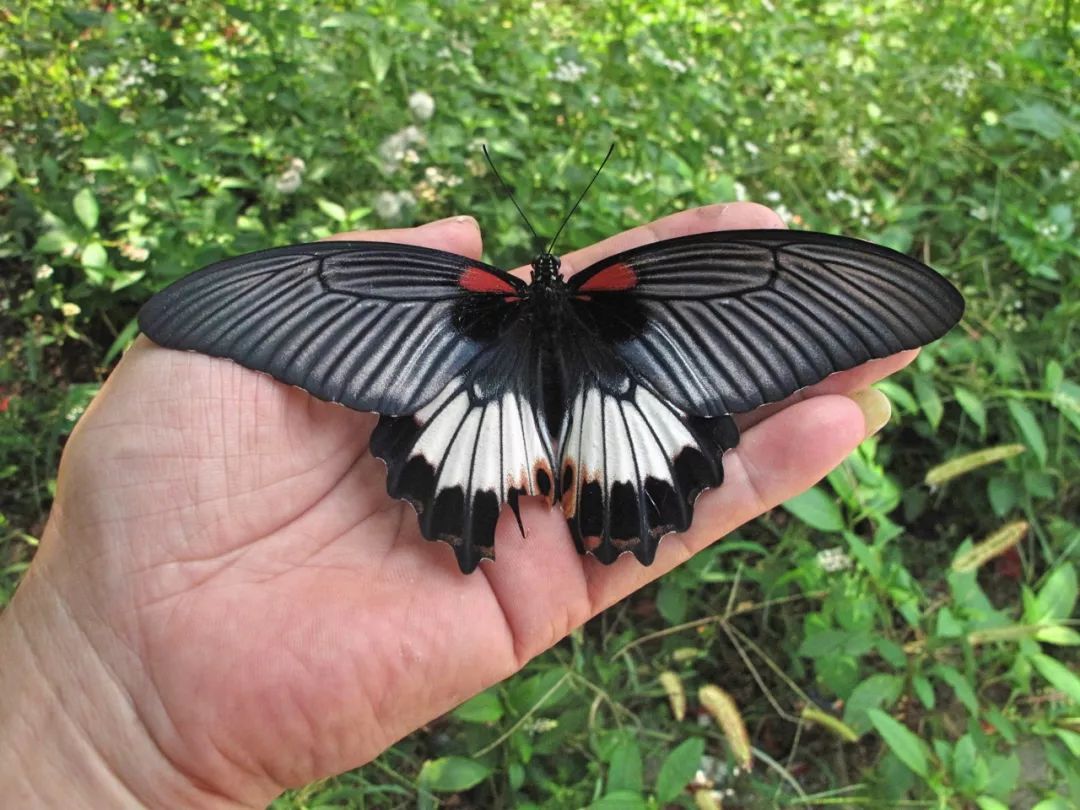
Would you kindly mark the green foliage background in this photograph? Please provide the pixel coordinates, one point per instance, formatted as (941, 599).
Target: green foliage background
(142, 140)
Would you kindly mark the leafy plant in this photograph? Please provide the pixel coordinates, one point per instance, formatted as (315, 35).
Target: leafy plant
(904, 631)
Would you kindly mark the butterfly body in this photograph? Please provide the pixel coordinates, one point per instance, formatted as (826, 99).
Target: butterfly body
(607, 393)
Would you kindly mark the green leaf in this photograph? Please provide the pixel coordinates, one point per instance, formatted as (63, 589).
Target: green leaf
(990, 803)
(968, 765)
(1053, 803)
(1041, 118)
(1066, 398)
(1059, 675)
(1004, 770)
(898, 395)
(53, 242)
(1029, 428)
(929, 400)
(1057, 596)
(947, 624)
(1071, 740)
(972, 406)
(332, 210)
(484, 708)
(620, 800)
(452, 774)
(625, 770)
(379, 60)
(908, 748)
(925, 690)
(816, 509)
(831, 643)
(965, 693)
(1002, 493)
(671, 601)
(86, 208)
(878, 691)
(94, 256)
(1058, 634)
(678, 769)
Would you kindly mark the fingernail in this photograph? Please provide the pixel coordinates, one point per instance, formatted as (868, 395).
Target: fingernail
(875, 407)
(458, 219)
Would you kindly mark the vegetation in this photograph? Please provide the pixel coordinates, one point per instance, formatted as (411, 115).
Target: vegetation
(905, 630)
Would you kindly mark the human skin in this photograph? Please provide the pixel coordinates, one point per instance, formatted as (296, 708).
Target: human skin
(227, 603)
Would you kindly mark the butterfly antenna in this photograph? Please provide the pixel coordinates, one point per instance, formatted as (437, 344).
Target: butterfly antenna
(551, 247)
(510, 194)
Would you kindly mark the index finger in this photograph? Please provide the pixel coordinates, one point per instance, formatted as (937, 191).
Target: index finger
(716, 217)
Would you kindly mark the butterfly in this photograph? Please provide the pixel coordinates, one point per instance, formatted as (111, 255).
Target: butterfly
(608, 393)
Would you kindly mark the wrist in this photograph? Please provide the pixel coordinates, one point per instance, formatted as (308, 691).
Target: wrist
(70, 733)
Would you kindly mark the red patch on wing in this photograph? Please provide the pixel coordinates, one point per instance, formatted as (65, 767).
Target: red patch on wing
(475, 279)
(611, 279)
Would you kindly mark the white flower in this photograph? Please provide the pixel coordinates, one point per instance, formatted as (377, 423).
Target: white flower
(69, 309)
(772, 196)
(288, 181)
(567, 71)
(957, 79)
(397, 147)
(832, 560)
(740, 190)
(422, 105)
(43, 271)
(387, 205)
(134, 252)
(390, 204)
(752, 148)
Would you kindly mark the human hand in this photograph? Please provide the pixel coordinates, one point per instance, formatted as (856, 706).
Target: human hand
(226, 602)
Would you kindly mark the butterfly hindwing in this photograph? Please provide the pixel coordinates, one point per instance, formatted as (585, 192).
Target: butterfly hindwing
(375, 326)
(723, 322)
(479, 444)
(632, 464)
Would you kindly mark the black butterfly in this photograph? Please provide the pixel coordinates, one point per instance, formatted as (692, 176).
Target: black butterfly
(609, 392)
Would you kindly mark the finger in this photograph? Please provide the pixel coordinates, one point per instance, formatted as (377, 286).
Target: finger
(776, 460)
(459, 234)
(842, 382)
(718, 217)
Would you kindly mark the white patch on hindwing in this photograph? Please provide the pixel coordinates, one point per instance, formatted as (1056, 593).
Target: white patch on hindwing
(493, 445)
(623, 439)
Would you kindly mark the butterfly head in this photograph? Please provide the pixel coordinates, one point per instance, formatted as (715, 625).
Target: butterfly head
(545, 268)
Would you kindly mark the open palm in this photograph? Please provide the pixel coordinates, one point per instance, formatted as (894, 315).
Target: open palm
(227, 546)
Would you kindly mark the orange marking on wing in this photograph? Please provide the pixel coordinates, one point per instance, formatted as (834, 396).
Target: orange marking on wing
(475, 279)
(611, 279)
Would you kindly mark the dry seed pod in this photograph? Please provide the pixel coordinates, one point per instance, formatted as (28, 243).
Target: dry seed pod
(997, 543)
(722, 707)
(676, 694)
(936, 476)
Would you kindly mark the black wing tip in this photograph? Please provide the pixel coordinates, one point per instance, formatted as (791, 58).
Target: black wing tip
(468, 556)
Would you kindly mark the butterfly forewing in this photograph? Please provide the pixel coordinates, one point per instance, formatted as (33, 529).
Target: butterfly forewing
(375, 326)
(723, 322)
